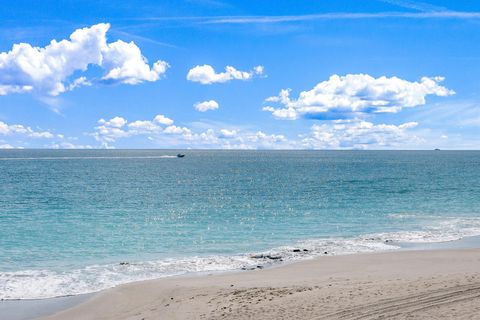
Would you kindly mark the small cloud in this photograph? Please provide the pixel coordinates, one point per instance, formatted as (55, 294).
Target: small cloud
(206, 105)
(225, 133)
(116, 122)
(163, 120)
(205, 74)
(258, 70)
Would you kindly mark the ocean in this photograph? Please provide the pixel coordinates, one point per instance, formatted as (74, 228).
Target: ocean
(79, 221)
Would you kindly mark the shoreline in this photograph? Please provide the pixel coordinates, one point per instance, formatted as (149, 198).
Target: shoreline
(424, 272)
(328, 287)
(20, 309)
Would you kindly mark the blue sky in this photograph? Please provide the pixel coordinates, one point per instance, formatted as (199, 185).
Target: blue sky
(391, 74)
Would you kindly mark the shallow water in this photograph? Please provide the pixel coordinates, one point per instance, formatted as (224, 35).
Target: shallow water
(68, 218)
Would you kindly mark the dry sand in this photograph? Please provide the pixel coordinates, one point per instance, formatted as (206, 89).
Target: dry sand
(435, 284)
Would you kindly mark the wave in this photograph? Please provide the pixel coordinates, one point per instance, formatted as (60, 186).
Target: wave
(448, 229)
(36, 284)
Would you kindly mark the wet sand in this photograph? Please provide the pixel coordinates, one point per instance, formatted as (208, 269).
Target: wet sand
(34, 308)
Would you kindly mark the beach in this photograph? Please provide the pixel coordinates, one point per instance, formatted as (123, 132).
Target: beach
(220, 159)
(421, 284)
(142, 234)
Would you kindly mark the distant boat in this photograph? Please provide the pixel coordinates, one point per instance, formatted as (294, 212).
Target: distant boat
(180, 155)
(437, 150)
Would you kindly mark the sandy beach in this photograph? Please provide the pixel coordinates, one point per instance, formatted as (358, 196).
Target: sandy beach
(426, 284)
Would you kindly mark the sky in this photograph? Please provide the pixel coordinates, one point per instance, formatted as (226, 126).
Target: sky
(218, 74)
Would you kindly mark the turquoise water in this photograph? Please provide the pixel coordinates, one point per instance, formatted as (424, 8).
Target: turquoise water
(68, 218)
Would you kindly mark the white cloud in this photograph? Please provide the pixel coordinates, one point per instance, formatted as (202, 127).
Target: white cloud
(205, 74)
(69, 145)
(338, 134)
(163, 120)
(144, 126)
(206, 105)
(22, 136)
(266, 140)
(48, 70)
(111, 130)
(348, 96)
(225, 133)
(125, 64)
(116, 122)
(358, 134)
(177, 130)
(79, 82)
(258, 70)
(21, 130)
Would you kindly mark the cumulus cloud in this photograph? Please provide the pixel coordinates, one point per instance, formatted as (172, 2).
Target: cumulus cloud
(161, 119)
(358, 134)
(22, 136)
(48, 70)
(348, 96)
(230, 139)
(21, 130)
(178, 130)
(144, 126)
(226, 133)
(205, 74)
(337, 134)
(124, 63)
(206, 105)
(116, 122)
(109, 131)
(162, 131)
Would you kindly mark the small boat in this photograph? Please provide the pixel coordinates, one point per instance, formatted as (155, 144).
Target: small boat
(180, 155)
(436, 149)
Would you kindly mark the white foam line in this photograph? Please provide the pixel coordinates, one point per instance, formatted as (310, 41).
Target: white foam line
(36, 284)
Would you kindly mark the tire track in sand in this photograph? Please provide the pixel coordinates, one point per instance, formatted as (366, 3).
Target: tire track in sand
(391, 308)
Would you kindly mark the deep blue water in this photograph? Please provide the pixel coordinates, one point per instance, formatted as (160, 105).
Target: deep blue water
(69, 217)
